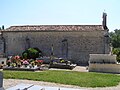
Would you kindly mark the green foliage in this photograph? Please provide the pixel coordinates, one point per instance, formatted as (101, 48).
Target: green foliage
(117, 52)
(31, 53)
(81, 79)
(3, 27)
(25, 55)
(115, 38)
(115, 41)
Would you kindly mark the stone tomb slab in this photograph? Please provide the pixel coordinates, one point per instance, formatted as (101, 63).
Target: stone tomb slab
(21, 69)
(37, 87)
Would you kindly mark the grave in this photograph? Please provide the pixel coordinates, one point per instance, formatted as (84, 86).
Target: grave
(16, 63)
(61, 64)
(23, 86)
(21, 69)
(105, 63)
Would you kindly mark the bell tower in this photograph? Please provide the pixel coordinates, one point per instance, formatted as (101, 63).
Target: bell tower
(104, 22)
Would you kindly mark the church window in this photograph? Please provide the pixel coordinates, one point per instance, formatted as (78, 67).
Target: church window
(65, 48)
(27, 43)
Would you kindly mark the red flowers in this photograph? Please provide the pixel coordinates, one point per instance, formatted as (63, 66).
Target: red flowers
(39, 61)
(17, 57)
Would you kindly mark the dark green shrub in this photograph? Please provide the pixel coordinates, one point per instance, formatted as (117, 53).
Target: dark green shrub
(31, 53)
(25, 55)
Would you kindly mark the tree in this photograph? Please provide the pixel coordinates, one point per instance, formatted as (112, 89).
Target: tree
(117, 52)
(115, 41)
(3, 27)
(115, 38)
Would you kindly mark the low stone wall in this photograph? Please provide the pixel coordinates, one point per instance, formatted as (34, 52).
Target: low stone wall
(102, 58)
(103, 63)
(105, 68)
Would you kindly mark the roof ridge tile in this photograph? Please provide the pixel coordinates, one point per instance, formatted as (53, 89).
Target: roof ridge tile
(55, 28)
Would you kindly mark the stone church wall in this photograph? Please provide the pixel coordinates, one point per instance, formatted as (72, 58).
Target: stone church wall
(79, 44)
(1, 46)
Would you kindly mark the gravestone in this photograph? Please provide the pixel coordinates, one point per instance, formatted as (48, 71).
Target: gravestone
(1, 79)
(23, 86)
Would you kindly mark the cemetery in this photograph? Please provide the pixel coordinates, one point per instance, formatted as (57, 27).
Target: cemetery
(17, 65)
(59, 45)
(41, 63)
(30, 54)
(33, 60)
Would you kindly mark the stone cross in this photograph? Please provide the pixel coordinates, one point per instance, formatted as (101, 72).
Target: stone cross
(1, 79)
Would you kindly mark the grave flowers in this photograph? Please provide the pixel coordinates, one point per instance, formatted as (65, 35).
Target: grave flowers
(16, 61)
(8, 63)
(38, 62)
(32, 63)
(25, 63)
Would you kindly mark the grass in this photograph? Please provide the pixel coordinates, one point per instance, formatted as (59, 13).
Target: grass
(82, 79)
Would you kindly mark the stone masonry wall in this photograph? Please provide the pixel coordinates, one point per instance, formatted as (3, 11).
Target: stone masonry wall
(80, 44)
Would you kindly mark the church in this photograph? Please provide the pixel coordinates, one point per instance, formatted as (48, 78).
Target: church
(72, 42)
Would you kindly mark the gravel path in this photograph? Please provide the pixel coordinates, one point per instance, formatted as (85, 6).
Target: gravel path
(7, 83)
(12, 82)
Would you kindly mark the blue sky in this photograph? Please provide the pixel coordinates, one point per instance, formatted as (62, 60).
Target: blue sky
(37, 12)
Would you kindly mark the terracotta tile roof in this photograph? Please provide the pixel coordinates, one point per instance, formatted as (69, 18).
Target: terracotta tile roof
(55, 28)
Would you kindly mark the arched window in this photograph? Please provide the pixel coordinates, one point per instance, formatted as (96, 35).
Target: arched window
(65, 48)
(27, 45)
